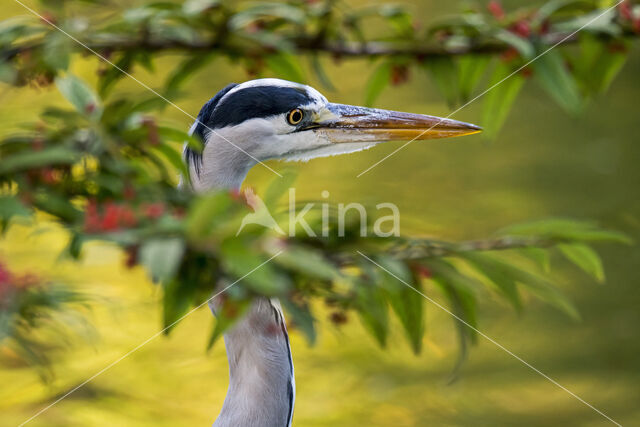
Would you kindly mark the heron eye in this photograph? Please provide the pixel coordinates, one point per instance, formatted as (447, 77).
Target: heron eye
(295, 116)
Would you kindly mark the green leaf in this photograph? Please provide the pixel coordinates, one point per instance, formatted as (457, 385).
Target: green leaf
(378, 80)
(113, 74)
(286, 66)
(205, 212)
(80, 96)
(463, 306)
(57, 205)
(195, 7)
(460, 289)
(597, 22)
(502, 92)
(565, 229)
(446, 270)
(522, 45)
(502, 281)
(174, 158)
(162, 257)
(177, 299)
(607, 68)
(54, 156)
(179, 135)
(552, 74)
(8, 74)
(302, 318)
(285, 11)
(258, 275)
(585, 258)
(279, 186)
(10, 206)
(404, 298)
(227, 315)
(56, 51)
(75, 245)
(535, 284)
(445, 75)
(372, 310)
(538, 255)
(145, 59)
(471, 68)
(309, 262)
(552, 7)
(598, 63)
(322, 76)
(186, 69)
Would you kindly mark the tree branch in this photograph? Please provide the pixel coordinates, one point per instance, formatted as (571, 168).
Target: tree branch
(423, 248)
(308, 45)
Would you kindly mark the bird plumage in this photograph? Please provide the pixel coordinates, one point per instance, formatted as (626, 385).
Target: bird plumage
(261, 378)
(248, 123)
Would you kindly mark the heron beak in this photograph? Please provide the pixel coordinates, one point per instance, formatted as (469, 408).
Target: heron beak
(349, 123)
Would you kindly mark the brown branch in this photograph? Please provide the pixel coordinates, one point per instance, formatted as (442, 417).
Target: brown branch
(415, 249)
(309, 45)
(421, 248)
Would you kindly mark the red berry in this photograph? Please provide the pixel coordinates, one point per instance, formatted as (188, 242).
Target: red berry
(509, 55)
(546, 26)
(91, 217)
(154, 210)
(48, 18)
(6, 287)
(625, 10)
(399, 74)
(26, 198)
(422, 271)
(338, 317)
(230, 310)
(443, 35)
(5, 274)
(26, 280)
(48, 175)
(495, 8)
(129, 193)
(237, 195)
(127, 217)
(110, 219)
(152, 130)
(132, 256)
(526, 72)
(37, 144)
(179, 212)
(617, 48)
(521, 28)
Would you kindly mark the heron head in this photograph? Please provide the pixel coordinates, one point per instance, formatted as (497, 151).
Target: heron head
(276, 119)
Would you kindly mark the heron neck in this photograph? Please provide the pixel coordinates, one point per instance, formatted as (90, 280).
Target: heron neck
(223, 166)
(261, 379)
(261, 382)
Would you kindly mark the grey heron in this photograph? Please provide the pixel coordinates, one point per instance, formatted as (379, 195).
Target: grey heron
(263, 119)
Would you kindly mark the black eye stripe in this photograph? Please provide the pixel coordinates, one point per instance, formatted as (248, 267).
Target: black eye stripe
(256, 102)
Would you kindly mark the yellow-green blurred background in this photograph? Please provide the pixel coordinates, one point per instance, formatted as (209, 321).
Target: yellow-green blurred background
(544, 163)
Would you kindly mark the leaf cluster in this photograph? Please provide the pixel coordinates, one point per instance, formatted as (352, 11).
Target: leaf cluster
(108, 170)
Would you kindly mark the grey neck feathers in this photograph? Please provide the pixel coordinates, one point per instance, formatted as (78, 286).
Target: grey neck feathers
(261, 380)
(223, 165)
(261, 383)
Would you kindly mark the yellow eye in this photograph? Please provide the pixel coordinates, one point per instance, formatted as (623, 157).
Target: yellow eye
(295, 116)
